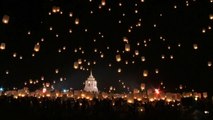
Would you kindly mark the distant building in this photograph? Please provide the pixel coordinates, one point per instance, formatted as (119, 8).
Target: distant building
(91, 84)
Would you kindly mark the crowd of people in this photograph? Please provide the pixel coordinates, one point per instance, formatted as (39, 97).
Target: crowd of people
(31, 108)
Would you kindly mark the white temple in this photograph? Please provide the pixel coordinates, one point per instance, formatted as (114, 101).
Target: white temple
(91, 84)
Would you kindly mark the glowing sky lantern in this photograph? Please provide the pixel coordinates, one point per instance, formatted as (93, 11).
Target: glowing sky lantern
(163, 56)
(110, 65)
(119, 70)
(156, 71)
(102, 55)
(195, 46)
(70, 14)
(56, 71)
(205, 94)
(79, 61)
(143, 86)
(20, 57)
(14, 55)
(42, 78)
(51, 28)
(7, 72)
(75, 65)
(143, 59)
(76, 21)
(31, 81)
(37, 47)
(203, 30)
(171, 56)
(2, 46)
(180, 87)
(55, 9)
(5, 19)
(209, 63)
(211, 16)
(118, 58)
(127, 47)
(103, 2)
(136, 52)
(145, 73)
(125, 39)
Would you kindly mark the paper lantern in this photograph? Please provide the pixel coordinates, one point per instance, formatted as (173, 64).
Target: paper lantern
(55, 9)
(145, 73)
(143, 86)
(118, 58)
(143, 59)
(127, 47)
(156, 71)
(2, 46)
(209, 63)
(211, 16)
(119, 70)
(180, 87)
(37, 47)
(5, 19)
(136, 52)
(162, 56)
(14, 55)
(76, 21)
(195, 46)
(103, 2)
(79, 61)
(125, 40)
(56, 71)
(75, 65)
(205, 94)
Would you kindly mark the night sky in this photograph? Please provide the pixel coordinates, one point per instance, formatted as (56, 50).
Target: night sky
(172, 40)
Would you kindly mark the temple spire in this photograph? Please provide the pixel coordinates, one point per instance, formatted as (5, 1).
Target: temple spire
(91, 72)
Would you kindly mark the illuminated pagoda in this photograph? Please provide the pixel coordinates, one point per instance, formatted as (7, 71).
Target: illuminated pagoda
(91, 84)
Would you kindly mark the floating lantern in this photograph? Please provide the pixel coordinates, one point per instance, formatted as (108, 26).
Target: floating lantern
(195, 46)
(180, 87)
(127, 47)
(76, 21)
(145, 73)
(156, 71)
(75, 65)
(136, 52)
(37, 47)
(211, 16)
(103, 2)
(119, 70)
(79, 61)
(143, 59)
(162, 56)
(143, 85)
(205, 94)
(56, 71)
(2, 46)
(55, 9)
(209, 63)
(5, 19)
(14, 55)
(118, 58)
